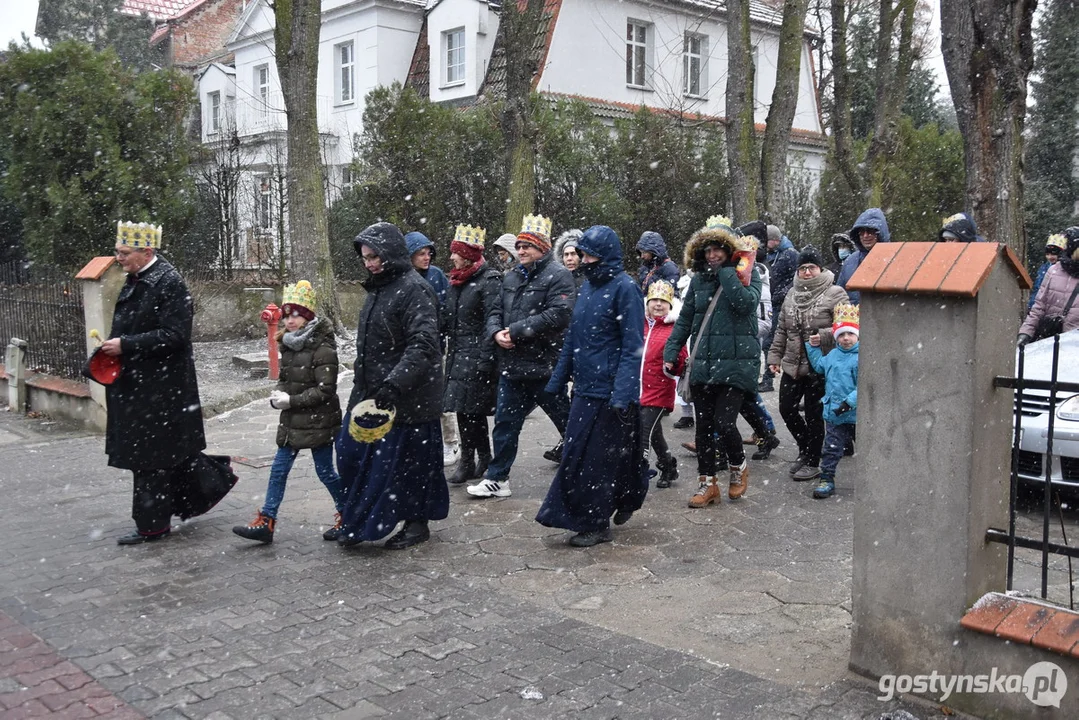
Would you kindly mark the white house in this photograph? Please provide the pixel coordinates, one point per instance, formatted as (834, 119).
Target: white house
(616, 55)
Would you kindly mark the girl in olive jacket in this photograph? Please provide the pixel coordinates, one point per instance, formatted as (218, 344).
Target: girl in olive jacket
(306, 395)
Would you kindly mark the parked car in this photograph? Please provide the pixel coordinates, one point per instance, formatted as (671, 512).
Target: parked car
(1035, 408)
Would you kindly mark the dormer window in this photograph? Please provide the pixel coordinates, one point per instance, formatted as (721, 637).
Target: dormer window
(453, 41)
(213, 113)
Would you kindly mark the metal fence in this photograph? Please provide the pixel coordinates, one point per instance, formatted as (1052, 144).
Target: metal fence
(1038, 469)
(43, 305)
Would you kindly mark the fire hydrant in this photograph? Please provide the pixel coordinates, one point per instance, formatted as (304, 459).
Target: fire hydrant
(272, 316)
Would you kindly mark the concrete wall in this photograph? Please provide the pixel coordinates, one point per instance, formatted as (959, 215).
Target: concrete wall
(933, 465)
(229, 311)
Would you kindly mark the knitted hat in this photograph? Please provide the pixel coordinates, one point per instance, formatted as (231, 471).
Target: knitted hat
(536, 230)
(1057, 242)
(661, 290)
(845, 319)
(138, 235)
(508, 242)
(810, 256)
(468, 242)
(299, 299)
(757, 229)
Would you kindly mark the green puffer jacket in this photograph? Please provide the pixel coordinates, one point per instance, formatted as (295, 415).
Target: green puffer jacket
(730, 353)
(309, 376)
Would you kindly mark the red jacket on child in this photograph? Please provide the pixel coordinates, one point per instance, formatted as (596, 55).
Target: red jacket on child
(657, 387)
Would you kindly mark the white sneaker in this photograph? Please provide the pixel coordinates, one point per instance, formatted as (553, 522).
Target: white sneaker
(490, 488)
(450, 454)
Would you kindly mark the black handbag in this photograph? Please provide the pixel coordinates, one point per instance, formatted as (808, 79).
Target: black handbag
(201, 482)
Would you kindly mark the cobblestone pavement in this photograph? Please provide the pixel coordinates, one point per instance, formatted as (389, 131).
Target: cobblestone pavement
(741, 610)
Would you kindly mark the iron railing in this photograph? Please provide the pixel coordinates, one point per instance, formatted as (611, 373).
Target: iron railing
(1033, 404)
(43, 305)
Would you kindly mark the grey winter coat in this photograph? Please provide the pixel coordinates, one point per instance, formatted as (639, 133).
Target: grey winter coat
(309, 376)
(470, 360)
(154, 414)
(536, 304)
(793, 329)
(397, 339)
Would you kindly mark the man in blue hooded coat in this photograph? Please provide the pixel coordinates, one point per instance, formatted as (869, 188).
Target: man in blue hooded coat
(655, 264)
(869, 229)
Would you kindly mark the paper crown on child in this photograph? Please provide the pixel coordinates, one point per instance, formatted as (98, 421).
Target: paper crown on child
(720, 222)
(299, 299)
(138, 235)
(845, 319)
(1057, 240)
(368, 424)
(661, 290)
(469, 235)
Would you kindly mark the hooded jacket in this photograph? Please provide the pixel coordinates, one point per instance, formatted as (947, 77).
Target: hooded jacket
(840, 370)
(783, 262)
(309, 376)
(657, 387)
(840, 241)
(660, 267)
(602, 352)
(871, 219)
(535, 304)
(470, 356)
(397, 341)
(729, 353)
(416, 241)
(962, 226)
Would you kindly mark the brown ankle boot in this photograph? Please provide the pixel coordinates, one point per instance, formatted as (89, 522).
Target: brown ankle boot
(707, 493)
(739, 480)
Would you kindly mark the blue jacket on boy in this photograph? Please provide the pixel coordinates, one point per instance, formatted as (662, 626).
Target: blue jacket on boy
(840, 370)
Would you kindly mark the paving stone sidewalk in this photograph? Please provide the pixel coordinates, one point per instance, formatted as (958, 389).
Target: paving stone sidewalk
(735, 611)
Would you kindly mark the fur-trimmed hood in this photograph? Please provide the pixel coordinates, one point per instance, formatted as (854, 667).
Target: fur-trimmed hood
(725, 237)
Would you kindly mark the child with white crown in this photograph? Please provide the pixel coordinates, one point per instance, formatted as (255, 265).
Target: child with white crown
(840, 370)
(306, 395)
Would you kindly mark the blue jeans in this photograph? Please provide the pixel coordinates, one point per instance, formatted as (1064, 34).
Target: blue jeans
(836, 438)
(516, 399)
(282, 464)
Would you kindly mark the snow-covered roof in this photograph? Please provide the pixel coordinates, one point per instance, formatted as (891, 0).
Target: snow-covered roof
(155, 9)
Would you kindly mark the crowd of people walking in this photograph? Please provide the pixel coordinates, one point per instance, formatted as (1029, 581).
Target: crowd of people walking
(558, 325)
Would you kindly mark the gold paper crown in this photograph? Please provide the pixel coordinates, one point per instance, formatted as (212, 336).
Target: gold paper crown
(845, 314)
(537, 225)
(301, 294)
(949, 220)
(474, 236)
(1057, 240)
(138, 235)
(661, 290)
(718, 222)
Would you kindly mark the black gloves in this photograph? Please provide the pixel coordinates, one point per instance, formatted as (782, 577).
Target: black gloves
(843, 408)
(385, 397)
(1022, 340)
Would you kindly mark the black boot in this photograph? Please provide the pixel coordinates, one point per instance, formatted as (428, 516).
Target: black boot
(668, 468)
(554, 454)
(466, 468)
(683, 423)
(484, 459)
(413, 533)
(765, 446)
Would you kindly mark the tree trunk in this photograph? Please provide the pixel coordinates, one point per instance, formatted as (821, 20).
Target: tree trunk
(777, 130)
(988, 54)
(741, 136)
(296, 40)
(518, 31)
(842, 133)
(893, 78)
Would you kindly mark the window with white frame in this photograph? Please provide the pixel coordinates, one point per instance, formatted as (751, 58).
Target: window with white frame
(638, 48)
(346, 75)
(262, 88)
(213, 112)
(695, 65)
(263, 202)
(454, 43)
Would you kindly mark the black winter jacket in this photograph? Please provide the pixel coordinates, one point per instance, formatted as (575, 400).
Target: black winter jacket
(536, 304)
(470, 359)
(397, 339)
(309, 376)
(154, 414)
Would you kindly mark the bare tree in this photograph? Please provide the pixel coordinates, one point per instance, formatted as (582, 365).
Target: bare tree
(988, 52)
(741, 137)
(777, 131)
(296, 39)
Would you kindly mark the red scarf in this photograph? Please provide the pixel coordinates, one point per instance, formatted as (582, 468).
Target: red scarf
(460, 277)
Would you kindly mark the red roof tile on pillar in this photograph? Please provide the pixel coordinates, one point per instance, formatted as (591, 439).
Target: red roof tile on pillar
(902, 267)
(94, 269)
(958, 269)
